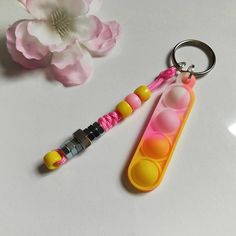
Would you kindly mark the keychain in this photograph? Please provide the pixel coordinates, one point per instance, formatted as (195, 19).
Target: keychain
(157, 144)
(153, 154)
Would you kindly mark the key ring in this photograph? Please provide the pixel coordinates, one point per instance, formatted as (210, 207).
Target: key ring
(198, 44)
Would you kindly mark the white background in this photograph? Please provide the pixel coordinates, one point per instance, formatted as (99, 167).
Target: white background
(89, 196)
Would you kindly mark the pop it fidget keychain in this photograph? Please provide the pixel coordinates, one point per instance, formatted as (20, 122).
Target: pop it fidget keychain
(157, 144)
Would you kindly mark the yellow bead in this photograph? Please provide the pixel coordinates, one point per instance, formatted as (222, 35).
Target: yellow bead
(50, 159)
(143, 92)
(124, 109)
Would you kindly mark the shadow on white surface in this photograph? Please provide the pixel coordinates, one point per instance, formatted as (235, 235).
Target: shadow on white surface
(10, 68)
(42, 170)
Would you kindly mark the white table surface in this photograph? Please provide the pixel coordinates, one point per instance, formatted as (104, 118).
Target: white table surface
(88, 196)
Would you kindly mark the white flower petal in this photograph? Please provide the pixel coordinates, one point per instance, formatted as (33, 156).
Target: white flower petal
(28, 45)
(61, 47)
(106, 40)
(72, 66)
(87, 27)
(18, 56)
(74, 7)
(66, 57)
(41, 9)
(45, 34)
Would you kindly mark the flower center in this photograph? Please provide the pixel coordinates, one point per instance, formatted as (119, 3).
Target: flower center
(62, 22)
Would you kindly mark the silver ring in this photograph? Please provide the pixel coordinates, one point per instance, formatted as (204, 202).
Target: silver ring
(194, 43)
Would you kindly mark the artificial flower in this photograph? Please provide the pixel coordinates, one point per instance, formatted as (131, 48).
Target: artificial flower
(62, 35)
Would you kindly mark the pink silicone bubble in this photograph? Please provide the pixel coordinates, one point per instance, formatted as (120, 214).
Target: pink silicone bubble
(166, 121)
(178, 98)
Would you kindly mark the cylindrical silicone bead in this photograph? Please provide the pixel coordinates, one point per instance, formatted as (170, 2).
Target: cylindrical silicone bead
(124, 109)
(51, 158)
(133, 100)
(143, 92)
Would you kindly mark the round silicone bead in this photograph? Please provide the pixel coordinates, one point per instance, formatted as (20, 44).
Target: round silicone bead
(143, 92)
(145, 173)
(133, 100)
(166, 121)
(178, 98)
(156, 146)
(124, 109)
(51, 158)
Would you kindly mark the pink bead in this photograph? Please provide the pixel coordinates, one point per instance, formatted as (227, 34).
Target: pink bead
(133, 100)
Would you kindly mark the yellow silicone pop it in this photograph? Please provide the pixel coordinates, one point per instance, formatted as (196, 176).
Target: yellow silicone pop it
(154, 151)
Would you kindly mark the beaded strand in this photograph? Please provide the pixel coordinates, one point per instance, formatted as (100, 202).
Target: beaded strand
(82, 139)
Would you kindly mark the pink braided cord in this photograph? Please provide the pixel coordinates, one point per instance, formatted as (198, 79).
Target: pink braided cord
(109, 120)
(162, 77)
(63, 159)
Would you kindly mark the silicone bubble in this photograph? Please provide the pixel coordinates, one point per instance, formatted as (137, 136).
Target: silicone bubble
(145, 173)
(156, 146)
(178, 98)
(167, 121)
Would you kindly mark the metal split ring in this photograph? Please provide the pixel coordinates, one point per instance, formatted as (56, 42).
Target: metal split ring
(194, 43)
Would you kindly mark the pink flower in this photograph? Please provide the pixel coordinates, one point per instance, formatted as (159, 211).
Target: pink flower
(63, 35)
